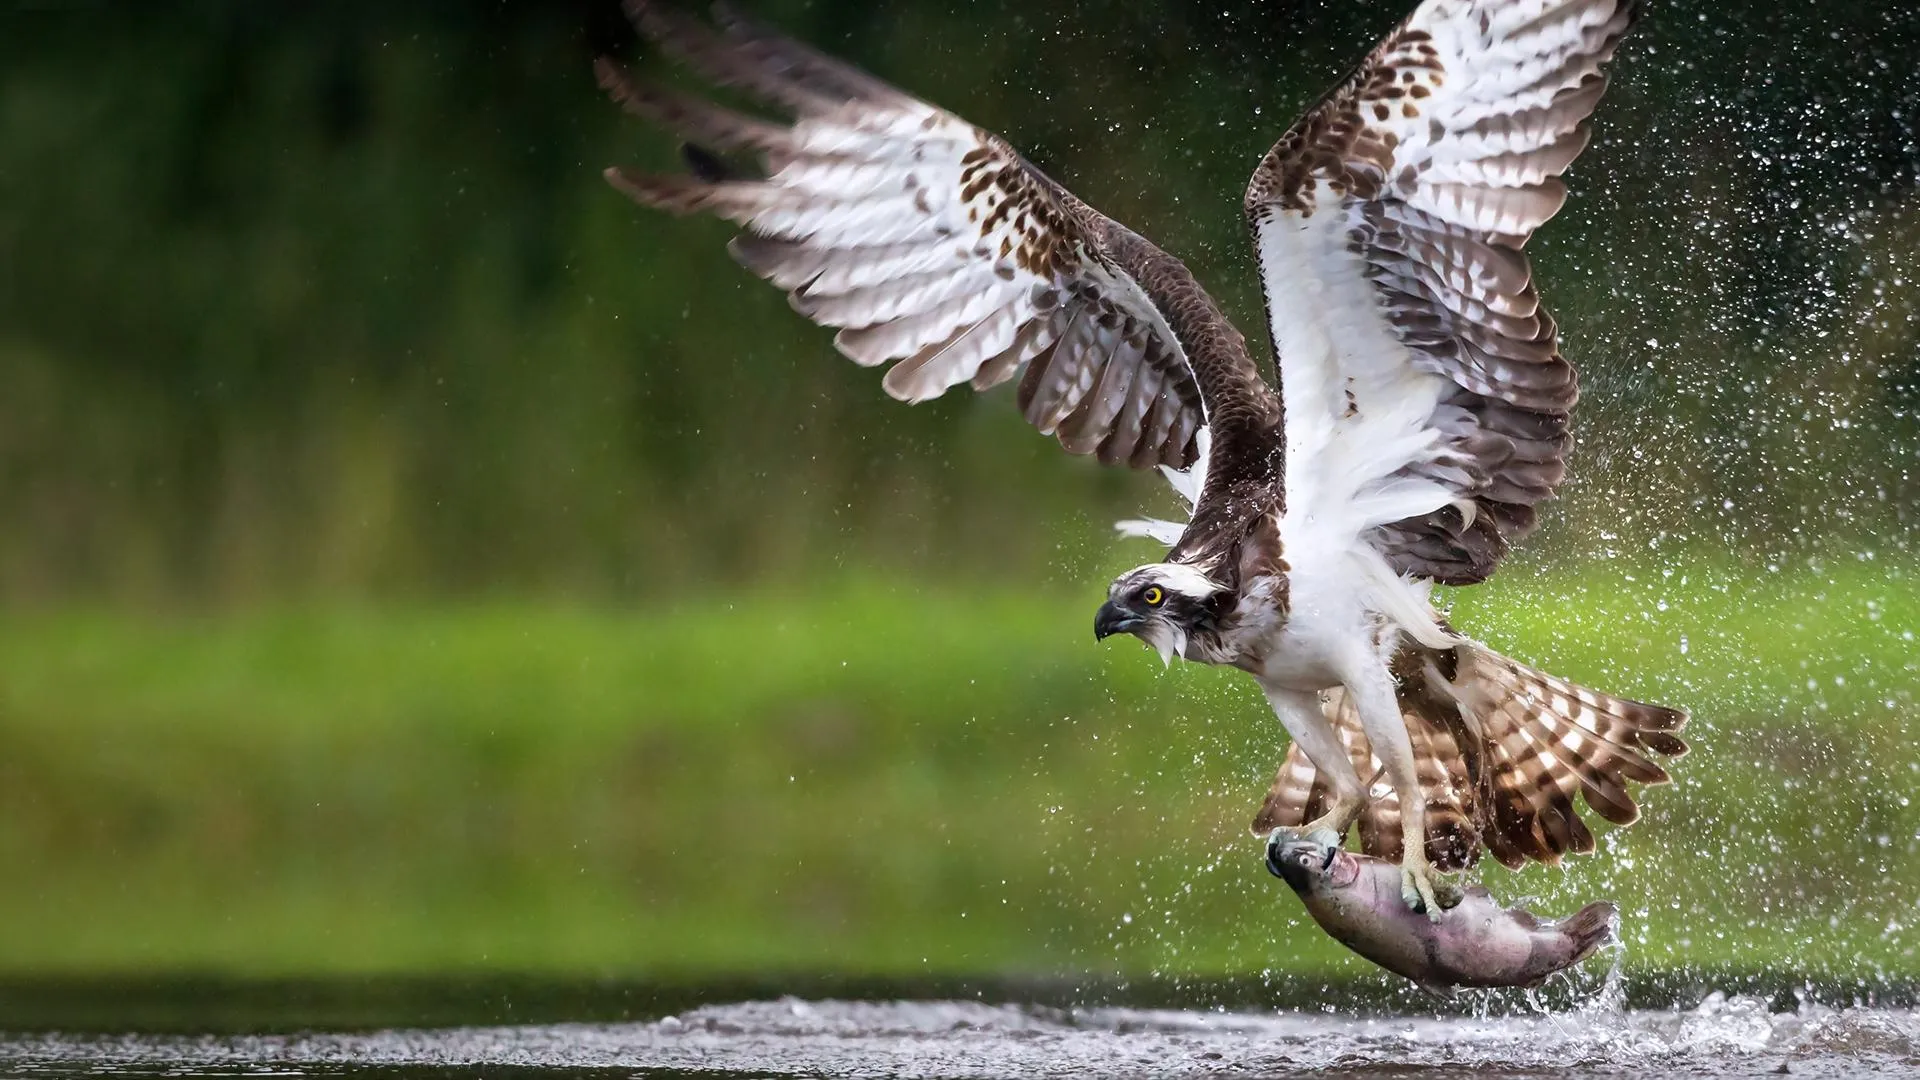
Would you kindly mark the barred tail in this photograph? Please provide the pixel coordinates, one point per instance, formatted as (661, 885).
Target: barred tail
(1301, 794)
(1501, 749)
(1547, 740)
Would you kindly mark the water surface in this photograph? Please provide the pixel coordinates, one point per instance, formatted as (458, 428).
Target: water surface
(1721, 1036)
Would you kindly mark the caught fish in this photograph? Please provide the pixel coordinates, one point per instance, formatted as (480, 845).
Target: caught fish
(1474, 942)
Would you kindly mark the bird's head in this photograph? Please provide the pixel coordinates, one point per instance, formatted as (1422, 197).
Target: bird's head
(1162, 604)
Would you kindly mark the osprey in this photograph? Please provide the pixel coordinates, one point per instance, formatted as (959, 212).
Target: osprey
(1421, 413)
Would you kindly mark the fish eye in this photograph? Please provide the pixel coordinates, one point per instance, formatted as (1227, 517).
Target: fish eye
(1154, 596)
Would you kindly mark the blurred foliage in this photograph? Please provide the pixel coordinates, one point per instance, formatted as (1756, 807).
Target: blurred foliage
(310, 299)
(883, 789)
(417, 558)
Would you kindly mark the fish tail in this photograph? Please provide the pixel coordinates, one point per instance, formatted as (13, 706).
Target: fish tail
(1589, 928)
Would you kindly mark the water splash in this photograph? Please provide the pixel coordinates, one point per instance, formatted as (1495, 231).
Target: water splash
(1723, 1036)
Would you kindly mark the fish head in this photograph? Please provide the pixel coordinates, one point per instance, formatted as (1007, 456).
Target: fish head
(1312, 862)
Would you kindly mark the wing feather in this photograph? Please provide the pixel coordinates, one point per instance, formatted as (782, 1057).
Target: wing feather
(885, 302)
(1036, 337)
(1095, 417)
(930, 244)
(1130, 424)
(1422, 377)
(880, 342)
(934, 369)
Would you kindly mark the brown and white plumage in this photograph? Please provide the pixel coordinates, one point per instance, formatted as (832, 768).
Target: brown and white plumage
(1503, 751)
(1421, 416)
(1428, 406)
(1409, 193)
(932, 245)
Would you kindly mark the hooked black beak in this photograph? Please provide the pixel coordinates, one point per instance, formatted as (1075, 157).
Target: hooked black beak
(1112, 619)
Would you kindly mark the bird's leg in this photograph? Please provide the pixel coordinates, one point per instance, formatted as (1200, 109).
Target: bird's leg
(1371, 685)
(1299, 712)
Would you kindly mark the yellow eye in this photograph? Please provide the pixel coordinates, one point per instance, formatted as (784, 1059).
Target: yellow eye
(1154, 596)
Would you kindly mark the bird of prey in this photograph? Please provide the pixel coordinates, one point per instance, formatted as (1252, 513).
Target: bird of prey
(1421, 413)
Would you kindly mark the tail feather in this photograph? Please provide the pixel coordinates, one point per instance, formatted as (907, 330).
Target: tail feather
(1502, 752)
(1300, 793)
(1552, 740)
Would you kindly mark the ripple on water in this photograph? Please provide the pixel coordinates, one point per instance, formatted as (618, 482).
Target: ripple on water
(1722, 1037)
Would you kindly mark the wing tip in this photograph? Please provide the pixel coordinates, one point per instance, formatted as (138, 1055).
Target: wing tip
(674, 194)
(906, 382)
(610, 74)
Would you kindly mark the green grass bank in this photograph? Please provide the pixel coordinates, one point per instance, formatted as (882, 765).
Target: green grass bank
(875, 779)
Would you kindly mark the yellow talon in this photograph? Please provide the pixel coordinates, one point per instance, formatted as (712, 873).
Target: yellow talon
(1416, 887)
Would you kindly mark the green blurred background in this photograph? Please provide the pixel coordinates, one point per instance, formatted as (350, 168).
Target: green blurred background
(418, 560)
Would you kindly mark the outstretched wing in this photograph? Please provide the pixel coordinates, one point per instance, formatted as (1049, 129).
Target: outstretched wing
(1425, 392)
(930, 242)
